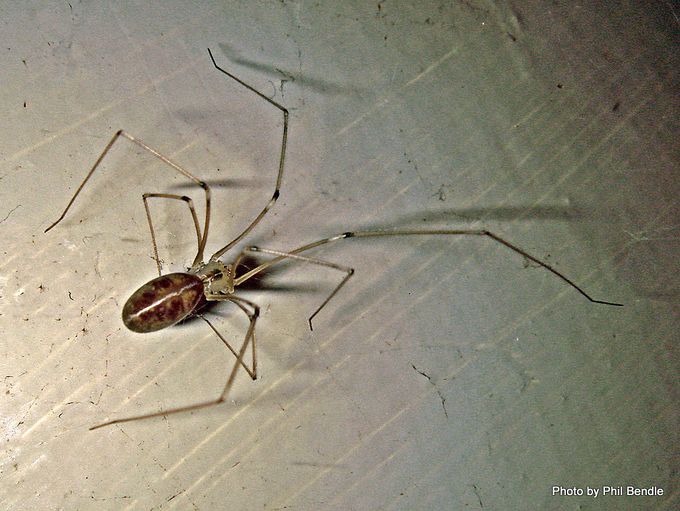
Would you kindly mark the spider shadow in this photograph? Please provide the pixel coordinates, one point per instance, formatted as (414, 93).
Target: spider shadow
(238, 183)
(311, 83)
(500, 213)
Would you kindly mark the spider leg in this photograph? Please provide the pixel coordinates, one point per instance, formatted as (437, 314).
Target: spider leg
(184, 198)
(288, 255)
(249, 338)
(420, 232)
(252, 316)
(282, 158)
(167, 161)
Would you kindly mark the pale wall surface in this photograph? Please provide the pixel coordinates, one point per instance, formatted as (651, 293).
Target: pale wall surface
(449, 373)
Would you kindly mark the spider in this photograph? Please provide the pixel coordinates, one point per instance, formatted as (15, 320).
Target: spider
(169, 299)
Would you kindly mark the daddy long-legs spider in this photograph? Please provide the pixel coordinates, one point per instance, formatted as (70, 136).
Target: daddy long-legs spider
(171, 298)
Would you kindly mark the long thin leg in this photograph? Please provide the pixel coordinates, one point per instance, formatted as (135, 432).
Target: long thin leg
(287, 255)
(250, 337)
(186, 173)
(189, 203)
(282, 158)
(252, 371)
(454, 232)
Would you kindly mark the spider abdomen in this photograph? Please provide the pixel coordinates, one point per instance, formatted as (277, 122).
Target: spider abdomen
(162, 302)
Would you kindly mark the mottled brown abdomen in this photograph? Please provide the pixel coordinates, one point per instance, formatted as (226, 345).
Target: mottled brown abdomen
(163, 302)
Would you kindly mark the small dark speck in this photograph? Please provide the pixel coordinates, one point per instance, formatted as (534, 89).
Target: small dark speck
(559, 85)
(24, 104)
(69, 295)
(512, 37)
(479, 497)
(616, 106)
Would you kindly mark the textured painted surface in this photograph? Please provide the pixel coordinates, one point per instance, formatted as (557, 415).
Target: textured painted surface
(162, 302)
(552, 123)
